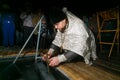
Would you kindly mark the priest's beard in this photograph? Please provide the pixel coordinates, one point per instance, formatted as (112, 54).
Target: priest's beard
(62, 29)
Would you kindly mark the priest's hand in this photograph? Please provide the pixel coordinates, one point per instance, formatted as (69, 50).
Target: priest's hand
(45, 57)
(54, 61)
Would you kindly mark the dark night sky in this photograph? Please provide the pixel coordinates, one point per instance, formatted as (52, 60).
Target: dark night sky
(76, 6)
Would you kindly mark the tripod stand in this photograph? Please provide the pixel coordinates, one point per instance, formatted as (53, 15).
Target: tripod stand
(36, 57)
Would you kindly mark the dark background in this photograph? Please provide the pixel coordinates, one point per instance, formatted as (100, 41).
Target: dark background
(78, 7)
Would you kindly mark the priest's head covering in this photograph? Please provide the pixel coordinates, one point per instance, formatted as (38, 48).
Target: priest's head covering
(56, 15)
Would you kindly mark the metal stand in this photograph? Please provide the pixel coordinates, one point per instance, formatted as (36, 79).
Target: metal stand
(44, 71)
(36, 57)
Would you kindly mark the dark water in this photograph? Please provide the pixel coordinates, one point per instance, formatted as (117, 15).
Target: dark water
(27, 69)
(9, 71)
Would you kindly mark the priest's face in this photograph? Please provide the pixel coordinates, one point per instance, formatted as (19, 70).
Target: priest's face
(61, 25)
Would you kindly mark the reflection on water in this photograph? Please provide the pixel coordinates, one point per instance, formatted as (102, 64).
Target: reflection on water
(28, 70)
(9, 71)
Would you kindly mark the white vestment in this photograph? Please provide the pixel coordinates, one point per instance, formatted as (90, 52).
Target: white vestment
(77, 38)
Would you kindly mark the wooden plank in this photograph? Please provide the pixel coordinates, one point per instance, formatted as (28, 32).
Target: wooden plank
(81, 71)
